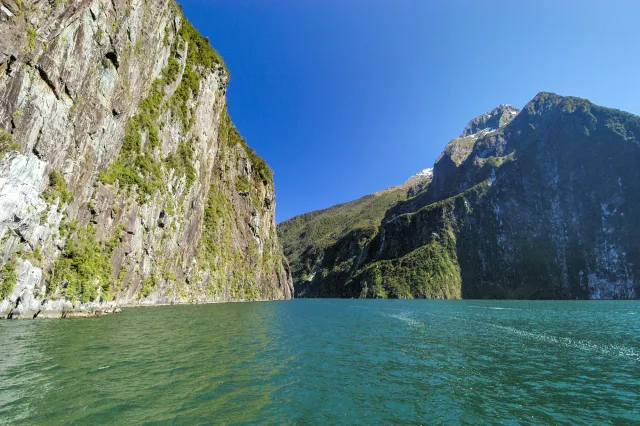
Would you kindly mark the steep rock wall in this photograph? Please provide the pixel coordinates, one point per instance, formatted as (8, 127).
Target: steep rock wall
(541, 207)
(122, 177)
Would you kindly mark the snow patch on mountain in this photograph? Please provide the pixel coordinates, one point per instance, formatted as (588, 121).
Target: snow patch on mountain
(424, 173)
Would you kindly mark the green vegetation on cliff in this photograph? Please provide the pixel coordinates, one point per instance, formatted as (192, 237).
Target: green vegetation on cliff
(536, 204)
(182, 162)
(138, 163)
(233, 270)
(57, 189)
(231, 137)
(431, 271)
(7, 143)
(8, 279)
(83, 271)
(312, 241)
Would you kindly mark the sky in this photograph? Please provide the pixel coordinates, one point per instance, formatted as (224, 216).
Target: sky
(344, 98)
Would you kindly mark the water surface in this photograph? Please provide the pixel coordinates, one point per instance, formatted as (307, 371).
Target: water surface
(328, 362)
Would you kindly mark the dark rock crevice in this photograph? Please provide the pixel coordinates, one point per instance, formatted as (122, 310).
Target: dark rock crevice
(113, 58)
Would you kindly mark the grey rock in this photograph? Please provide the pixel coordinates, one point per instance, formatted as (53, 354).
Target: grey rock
(67, 97)
(536, 204)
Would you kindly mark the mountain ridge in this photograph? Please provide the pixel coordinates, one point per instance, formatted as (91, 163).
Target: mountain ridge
(472, 232)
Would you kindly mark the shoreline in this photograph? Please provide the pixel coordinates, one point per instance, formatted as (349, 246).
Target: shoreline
(30, 310)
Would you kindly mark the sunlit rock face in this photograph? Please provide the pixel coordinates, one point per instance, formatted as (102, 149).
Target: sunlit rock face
(122, 177)
(538, 203)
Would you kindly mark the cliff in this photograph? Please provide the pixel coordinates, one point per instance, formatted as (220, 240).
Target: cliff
(122, 177)
(536, 204)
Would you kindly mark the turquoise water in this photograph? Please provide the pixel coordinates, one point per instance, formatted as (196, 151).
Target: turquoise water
(328, 362)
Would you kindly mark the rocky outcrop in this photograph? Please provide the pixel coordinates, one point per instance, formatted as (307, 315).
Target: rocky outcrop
(122, 177)
(491, 121)
(540, 207)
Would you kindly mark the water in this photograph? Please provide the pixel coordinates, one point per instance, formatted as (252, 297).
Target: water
(328, 362)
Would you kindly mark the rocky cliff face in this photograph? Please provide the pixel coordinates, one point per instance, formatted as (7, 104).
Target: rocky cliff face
(122, 177)
(540, 203)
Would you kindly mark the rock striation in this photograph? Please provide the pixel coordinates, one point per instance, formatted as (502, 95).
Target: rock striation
(535, 204)
(122, 177)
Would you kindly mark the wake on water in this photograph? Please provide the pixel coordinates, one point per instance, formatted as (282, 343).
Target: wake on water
(583, 345)
(404, 317)
(498, 309)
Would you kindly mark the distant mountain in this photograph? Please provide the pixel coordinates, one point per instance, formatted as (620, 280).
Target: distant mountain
(324, 246)
(538, 203)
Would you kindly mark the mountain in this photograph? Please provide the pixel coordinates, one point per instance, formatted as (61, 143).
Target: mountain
(122, 177)
(324, 246)
(538, 204)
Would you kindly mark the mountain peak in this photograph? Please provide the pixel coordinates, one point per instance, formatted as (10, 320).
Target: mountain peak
(494, 119)
(544, 102)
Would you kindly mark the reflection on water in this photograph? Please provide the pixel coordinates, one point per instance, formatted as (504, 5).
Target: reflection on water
(328, 362)
(19, 369)
(148, 364)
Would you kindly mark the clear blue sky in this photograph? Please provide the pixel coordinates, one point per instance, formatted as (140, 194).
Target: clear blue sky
(345, 97)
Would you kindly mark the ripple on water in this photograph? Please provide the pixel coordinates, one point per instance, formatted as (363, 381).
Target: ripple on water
(328, 362)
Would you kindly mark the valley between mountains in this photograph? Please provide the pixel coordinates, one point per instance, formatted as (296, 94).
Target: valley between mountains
(124, 182)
